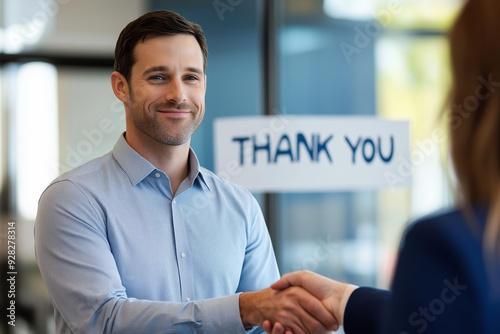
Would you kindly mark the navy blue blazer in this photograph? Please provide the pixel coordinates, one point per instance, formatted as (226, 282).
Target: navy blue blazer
(441, 284)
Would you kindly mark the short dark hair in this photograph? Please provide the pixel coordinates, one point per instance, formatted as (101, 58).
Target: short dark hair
(155, 23)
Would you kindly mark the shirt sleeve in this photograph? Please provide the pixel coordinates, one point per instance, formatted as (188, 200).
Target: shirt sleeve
(83, 281)
(260, 269)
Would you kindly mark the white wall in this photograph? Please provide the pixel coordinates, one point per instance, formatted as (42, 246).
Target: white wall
(67, 26)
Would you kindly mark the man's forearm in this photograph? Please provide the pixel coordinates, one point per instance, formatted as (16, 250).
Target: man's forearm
(249, 317)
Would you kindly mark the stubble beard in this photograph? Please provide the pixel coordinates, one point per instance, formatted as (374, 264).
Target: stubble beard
(171, 131)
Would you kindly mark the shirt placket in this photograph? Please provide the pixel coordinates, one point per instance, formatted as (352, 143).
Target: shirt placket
(184, 262)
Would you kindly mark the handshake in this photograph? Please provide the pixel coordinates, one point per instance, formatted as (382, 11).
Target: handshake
(300, 303)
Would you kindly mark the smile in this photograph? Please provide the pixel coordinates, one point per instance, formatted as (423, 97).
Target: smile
(174, 112)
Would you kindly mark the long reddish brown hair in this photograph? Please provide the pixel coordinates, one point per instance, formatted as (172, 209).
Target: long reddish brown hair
(475, 110)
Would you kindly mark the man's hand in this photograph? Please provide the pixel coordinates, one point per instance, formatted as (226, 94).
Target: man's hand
(293, 308)
(333, 294)
(277, 328)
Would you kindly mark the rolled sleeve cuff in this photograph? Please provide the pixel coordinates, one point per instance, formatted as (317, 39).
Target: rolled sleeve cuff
(222, 315)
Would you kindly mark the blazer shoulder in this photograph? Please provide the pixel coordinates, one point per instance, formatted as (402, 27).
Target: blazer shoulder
(448, 242)
(446, 227)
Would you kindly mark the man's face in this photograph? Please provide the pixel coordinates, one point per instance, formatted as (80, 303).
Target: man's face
(167, 89)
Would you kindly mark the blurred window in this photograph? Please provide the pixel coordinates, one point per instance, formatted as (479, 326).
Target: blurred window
(384, 58)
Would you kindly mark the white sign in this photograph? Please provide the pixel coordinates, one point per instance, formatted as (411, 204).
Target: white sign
(311, 153)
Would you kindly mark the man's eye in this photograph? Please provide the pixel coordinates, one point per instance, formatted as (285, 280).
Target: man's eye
(156, 77)
(191, 77)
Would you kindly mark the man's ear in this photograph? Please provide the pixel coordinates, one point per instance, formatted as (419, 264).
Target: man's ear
(120, 86)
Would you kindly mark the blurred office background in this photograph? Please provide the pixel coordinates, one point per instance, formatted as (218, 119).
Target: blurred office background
(387, 58)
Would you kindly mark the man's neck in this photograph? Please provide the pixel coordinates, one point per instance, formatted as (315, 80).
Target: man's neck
(173, 160)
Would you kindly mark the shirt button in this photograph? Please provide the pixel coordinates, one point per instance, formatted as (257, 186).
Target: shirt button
(188, 299)
(158, 175)
(183, 254)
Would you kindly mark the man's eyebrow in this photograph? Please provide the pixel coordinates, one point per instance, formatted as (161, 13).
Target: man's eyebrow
(194, 70)
(155, 69)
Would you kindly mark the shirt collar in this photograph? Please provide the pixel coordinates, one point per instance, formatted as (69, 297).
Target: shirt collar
(137, 168)
(194, 169)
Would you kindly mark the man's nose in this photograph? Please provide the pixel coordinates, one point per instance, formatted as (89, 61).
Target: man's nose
(175, 91)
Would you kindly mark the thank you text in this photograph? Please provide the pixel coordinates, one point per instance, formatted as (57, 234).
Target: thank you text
(310, 153)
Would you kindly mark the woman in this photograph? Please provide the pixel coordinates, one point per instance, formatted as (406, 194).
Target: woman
(447, 278)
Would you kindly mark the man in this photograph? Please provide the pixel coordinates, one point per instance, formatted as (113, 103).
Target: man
(143, 239)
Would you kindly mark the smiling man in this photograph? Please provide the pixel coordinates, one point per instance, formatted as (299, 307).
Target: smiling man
(144, 239)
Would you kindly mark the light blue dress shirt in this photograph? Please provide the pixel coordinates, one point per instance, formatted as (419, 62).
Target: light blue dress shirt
(119, 253)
